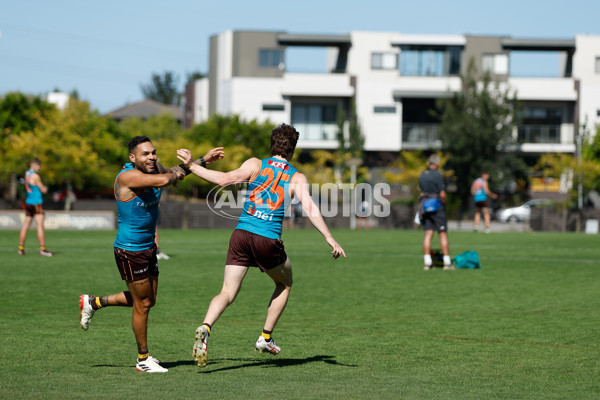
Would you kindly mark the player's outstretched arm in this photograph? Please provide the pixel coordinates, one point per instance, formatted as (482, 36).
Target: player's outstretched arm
(210, 157)
(242, 174)
(299, 189)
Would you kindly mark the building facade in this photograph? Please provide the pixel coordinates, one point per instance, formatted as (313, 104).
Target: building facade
(395, 80)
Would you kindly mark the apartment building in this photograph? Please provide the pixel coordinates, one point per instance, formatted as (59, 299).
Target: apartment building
(395, 80)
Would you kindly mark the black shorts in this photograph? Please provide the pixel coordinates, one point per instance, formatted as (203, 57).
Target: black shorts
(481, 204)
(251, 250)
(136, 265)
(31, 210)
(435, 221)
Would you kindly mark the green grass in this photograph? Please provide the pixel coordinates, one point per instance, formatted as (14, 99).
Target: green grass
(372, 326)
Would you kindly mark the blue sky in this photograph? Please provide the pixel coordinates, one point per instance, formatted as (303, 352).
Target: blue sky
(105, 50)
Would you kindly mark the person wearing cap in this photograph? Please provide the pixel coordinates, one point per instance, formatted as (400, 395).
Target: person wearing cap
(431, 211)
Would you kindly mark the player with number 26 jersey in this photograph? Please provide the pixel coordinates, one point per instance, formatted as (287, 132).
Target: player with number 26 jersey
(267, 198)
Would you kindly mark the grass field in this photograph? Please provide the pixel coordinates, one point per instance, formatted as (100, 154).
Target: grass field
(372, 326)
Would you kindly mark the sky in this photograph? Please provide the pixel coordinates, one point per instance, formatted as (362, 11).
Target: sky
(106, 50)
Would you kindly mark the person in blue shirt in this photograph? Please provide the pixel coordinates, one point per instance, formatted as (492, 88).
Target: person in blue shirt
(481, 191)
(256, 241)
(138, 187)
(34, 209)
(431, 212)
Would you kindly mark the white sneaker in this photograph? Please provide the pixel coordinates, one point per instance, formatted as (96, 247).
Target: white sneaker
(86, 311)
(162, 256)
(200, 346)
(149, 365)
(449, 267)
(428, 267)
(264, 346)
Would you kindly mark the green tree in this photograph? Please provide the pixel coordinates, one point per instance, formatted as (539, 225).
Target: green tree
(350, 147)
(232, 130)
(163, 88)
(79, 148)
(476, 126)
(162, 126)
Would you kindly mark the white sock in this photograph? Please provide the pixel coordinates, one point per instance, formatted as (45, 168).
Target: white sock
(447, 260)
(427, 258)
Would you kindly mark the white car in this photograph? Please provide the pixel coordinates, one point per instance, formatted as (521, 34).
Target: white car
(520, 213)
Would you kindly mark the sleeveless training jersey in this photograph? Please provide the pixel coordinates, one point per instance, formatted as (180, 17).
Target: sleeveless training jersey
(34, 194)
(479, 191)
(267, 197)
(137, 218)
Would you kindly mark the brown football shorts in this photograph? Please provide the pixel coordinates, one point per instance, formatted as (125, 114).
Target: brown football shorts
(251, 250)
(33, 209)
(136, 265)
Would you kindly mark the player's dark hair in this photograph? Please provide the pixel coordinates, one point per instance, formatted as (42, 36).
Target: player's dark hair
(133, 143)
(283, 140)
(35, 160)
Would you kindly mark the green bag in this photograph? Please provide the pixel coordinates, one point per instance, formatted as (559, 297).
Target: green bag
(468, 259)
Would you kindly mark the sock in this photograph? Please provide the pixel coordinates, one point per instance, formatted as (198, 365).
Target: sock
(447, 260)
(21, 247)
(42, 248)
(266, 335)
(208, 327)
(428, 260)
(98, 302)
(143, 357)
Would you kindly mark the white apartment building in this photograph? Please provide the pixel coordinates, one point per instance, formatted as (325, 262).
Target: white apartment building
(395, 80)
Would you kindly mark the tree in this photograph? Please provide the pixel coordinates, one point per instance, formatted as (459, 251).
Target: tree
(351, 146)
(232, 130)
(163, 88)
(476, 127)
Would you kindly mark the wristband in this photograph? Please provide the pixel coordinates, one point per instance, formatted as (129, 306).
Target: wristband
(185, 169)
(202, 161)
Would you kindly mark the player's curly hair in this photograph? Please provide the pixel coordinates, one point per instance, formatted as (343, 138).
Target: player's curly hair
(283, 140)
(133, 143)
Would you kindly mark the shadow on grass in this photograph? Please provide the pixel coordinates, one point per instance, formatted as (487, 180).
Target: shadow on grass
(271, 363)
(246, 363)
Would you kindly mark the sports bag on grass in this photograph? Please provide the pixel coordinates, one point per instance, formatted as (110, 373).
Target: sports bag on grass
(468, 259)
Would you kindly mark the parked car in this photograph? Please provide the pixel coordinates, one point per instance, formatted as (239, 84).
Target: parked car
(520, 213)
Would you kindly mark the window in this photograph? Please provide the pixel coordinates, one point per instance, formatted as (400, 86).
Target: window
(273, 107)
(384, 109)
(423, 61)
(387, 61)
(315, 121)
(598, 65)
(270, 58)
(495, 63)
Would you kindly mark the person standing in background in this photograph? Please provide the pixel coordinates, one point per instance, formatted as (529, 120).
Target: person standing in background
(34, 209)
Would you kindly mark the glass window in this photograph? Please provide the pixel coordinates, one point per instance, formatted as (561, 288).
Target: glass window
(387, 61)
(273, 107)
(384, 109)
(270, 58)
(315, 121)
(422, 63)
(495, 63)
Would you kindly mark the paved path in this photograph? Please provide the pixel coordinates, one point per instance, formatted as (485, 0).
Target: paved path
(495, 226)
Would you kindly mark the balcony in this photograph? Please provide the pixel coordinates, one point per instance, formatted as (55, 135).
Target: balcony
(546, 138)
(416, 136)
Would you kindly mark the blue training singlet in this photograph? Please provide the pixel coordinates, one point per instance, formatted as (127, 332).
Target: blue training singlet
(34, 194)
(137, 218)
(479, 191)
(267, 197)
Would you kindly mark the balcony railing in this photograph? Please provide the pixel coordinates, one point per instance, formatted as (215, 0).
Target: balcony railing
(539, 133)
(420, 134)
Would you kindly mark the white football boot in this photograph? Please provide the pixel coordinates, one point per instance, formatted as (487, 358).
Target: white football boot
(86, 311)
(149, 365)
(265, 346)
